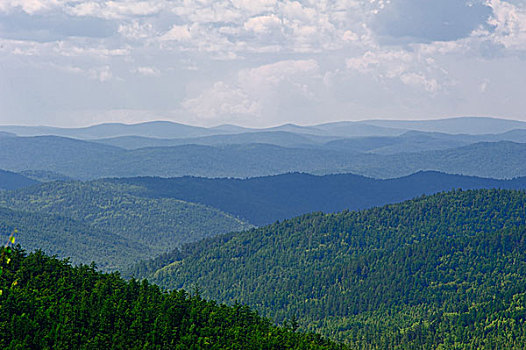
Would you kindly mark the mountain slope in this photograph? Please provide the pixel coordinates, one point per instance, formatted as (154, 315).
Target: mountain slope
(263, 200)
(278, 138)
(158, 224)
(74, 158)
(148, 129)
(458, 125)
(426, 261)
(501, 160)
(62, 236)
(12, 181)
(47, 304)
(167, 129)
(88, 160)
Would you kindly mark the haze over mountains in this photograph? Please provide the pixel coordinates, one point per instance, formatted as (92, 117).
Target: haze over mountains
(116, 222)
(263, 200)
(165, 129)
(169, 149)
(379, 234)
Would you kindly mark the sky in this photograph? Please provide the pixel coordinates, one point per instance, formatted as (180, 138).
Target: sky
(259, 63)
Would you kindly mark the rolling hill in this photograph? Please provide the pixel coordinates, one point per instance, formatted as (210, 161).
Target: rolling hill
(48, 304)
(456, 125)
(68, 238)
(110, 210)
(12, 181)
(278, 138)
(446, 270)
(263, 200)
(167, 129)
(407, 142)
(89, 160)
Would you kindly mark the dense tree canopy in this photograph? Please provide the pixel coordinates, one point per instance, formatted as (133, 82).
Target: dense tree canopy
(110, 224)
(48, 304)
(439, 270)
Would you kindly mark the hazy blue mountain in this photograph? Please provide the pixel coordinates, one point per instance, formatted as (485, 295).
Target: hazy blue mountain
(231, 129)
(74, 158)
(149, 129)
(345, 129)
(358, 129)
(166, 129)
(516, 135)
(278, 138)
(11, 181)
(89, 160)
(6, 134)
(45, 175)
(459, 125)
(264, 200)
(410, 141)
(485, 159)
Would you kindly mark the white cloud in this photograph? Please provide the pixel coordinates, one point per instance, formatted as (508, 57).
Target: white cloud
(318, 52)
(115, 9)
(136, 30)
(270, 75)
(254, 7)
(411, 68)
(101, 74)
(510, 24)
(29, 6)
(178, 33)
(68, 50)
(250, 92)
(263, 24)
(147, 71)
(222, 100)
(419, 80)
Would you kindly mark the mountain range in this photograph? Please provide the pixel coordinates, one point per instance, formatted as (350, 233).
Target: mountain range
(88, 160)
(263, 200)
(167, 129)
(140, 218)
(381, 234)
(170, 149)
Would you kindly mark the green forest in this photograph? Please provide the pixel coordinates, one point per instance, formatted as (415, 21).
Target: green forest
(48, 304)
(93, 214)
(444, 270)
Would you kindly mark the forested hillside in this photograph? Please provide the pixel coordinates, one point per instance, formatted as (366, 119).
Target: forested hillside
(444, 270)
(66, 237)
(103, 214)
(47, 304)
(263, 200)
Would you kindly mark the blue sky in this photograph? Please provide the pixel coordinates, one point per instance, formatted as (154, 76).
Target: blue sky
(259, 62)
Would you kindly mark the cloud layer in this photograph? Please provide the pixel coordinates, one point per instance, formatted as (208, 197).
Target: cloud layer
(259, 62)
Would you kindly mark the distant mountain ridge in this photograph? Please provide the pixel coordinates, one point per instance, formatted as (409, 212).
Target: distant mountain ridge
(410, 141)
(11, 181)
(89, 160)
(168, 129)
(263, 200)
